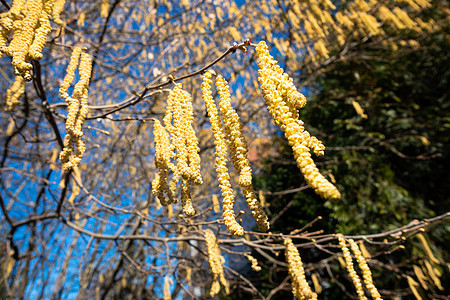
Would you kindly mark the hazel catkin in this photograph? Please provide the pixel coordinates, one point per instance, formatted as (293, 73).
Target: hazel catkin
(78, 109)
(163, 155)
(367, 274)
(300, 287)
(216, 262)
(282, 99)
(221, 159)
(351, 271)
(13, 94)
(238, 149)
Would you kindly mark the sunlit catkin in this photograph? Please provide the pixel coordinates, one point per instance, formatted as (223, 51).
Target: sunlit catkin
(163, 155)
(422, 278)
(104, 8)
(412, 285)
(367, 274)
(22, 40)
(216, 262)
(233, 130)
(42, 30)
(351, 271)
(285, 116)
(70, 72)
(238, 149)
(426, 248)
(221, 159)
(58, 7)
(254, 261)
(13, 94)
(78, 109)
(185, 140)
(167, 282)
(316, 283)
(186, 199)
(300, 287)
(433, 275)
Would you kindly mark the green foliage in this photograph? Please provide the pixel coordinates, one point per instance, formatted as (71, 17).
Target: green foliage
(390, 165)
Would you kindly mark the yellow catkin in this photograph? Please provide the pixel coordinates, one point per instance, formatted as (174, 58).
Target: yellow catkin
(186, 199)
(104, 8)
(12, 20)
(22, 40)
(42, 30)
(189, 275)
(434, 277)
(298, 137)
(321, 49)
(422, 278)
(163, 154)
(192, 142)
(58, 7)
(81, 19)
(364, 250)
(238, 149)
(359, 109)
(316, 283)
(386, 15)
(75, 187)
(78, 110)
(427, 248)
(3, 34)
(10, 128)
(216, 262)
(70, 72)
(75, 192)
(185, 140)
(233, 130)
(168, 117)
(349, 264)
(10, 261)
(14, 93)
(179, 136)
(404, 18)
(17, 7)
(300, 287)
(412, 285)
(262, 198)
(170, 211)
(370, 23)
(367, 274)
(216, 204)
(221, 159)
(342, 262)
(167, 295)
(254, 262)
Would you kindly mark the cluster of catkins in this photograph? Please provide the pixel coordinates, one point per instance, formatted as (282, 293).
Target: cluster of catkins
(74, 147)
(176, 141)
(29, 24)
(238, 149)
(367, 274)
(216, 262)
(283, 101)
(184, 147)
(14, 93)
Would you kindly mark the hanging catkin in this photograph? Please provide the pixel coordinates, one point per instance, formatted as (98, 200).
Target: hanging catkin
(281, 102)
(221, 159)
(238, 149)
(74, 147)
